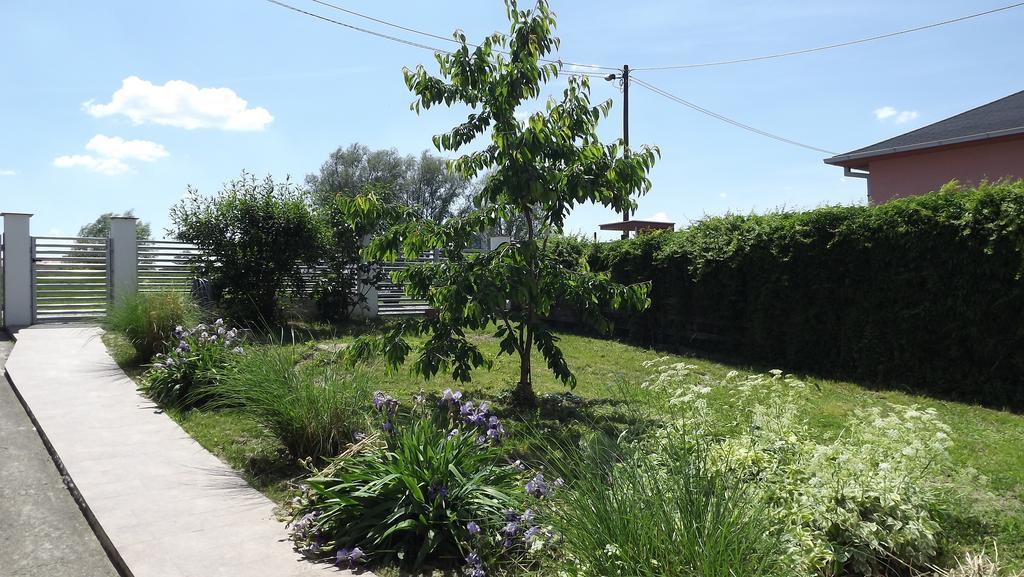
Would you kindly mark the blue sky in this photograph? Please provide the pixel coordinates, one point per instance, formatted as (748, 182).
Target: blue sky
(106, 107)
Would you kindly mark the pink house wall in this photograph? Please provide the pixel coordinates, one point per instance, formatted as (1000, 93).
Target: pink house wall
(921, 172)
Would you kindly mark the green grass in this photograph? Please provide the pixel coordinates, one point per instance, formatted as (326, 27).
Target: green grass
(991, 442)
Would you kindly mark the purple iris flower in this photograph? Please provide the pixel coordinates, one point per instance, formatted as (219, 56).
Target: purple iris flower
(451, 397)
(537, 487)
(387, 427)
(349, 557)
(473, 529)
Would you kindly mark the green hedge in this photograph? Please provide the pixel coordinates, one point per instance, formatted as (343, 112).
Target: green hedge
(924, 292)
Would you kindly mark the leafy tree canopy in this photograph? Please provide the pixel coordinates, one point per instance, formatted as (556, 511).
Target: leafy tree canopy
(538, 171)
(101, 226)
(424, 182)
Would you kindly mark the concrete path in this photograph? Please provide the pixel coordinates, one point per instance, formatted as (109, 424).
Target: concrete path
(42, 530)
(168, 506)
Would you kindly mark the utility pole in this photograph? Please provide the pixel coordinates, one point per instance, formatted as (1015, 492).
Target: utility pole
(624, 77)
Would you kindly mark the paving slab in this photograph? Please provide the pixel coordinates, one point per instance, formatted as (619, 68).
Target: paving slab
(42, 531)
(169, 507)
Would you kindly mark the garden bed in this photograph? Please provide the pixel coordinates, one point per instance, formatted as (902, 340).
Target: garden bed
(610, 397)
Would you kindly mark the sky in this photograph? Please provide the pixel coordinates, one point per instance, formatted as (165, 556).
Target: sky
(122, 105)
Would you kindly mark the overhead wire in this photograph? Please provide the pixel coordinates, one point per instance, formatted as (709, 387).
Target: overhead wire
(724, 118)
(411, 30)
(831, 46)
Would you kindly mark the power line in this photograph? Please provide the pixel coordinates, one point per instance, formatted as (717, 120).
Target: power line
(831, 46)
(358, 29)
(412, 30)
(736, 123)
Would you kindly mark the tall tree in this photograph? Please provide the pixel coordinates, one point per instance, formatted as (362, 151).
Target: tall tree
(539, 170)
(424, 182)
(101, 226)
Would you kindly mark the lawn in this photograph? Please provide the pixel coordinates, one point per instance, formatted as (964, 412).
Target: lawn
(608, 394)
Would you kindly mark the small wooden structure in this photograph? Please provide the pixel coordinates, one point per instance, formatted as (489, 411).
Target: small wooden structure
(637, 226)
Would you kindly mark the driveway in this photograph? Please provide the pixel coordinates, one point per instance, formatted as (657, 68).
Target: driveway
(42, 531)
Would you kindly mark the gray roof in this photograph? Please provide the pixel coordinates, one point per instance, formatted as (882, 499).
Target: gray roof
(1003, 117)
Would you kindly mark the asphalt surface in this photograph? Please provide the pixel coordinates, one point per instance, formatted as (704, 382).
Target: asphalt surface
(43, 533)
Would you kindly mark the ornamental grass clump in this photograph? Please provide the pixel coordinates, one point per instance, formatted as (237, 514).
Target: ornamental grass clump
(183, 377)
(628, 510)
(314, 411)
(148, 320)
(427, 488)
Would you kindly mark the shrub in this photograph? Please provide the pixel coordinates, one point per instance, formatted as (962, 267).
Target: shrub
(633, 512)
(868, 502)
(255, 237)
(423, 489)
(313, 414)
(182, 378)
(923, 291)
(148, 320)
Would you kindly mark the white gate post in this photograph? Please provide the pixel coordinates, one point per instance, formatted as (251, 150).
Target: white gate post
(370, 308)
(124, 256)
(17, 270)
(495, 241)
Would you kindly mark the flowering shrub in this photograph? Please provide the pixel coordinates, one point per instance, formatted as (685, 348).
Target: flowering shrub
(867, 502)
(181, 377)
(429, 486)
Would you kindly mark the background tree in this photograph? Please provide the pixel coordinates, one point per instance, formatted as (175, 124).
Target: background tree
(255, 237)
(101, 226)
(423, 182)
(539, 170)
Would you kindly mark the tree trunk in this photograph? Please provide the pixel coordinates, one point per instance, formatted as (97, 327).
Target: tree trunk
(523, 395)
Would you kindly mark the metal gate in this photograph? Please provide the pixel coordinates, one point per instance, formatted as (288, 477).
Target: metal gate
(70, 278)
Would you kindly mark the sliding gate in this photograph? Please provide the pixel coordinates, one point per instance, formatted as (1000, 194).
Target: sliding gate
(70, 278)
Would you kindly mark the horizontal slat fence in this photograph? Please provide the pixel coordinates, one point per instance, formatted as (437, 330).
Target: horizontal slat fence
(70, 278)
(164, 265)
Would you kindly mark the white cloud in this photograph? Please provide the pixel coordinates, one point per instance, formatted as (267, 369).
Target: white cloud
(181, 104)
(108, 166)
(898, 116)
(111, 154)
(659, 217)
(117, 147)
(7, 172)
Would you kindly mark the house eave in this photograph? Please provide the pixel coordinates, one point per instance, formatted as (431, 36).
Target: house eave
(858, 160)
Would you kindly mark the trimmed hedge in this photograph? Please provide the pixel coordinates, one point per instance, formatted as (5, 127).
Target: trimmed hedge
(924, 292)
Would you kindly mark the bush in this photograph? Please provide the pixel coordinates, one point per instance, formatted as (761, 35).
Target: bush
(923, 291)
(313, 414)
(428, 487)
(182, 378)
(148, 320)
(666, 514)
(868, 502)
(337, 290)
(255, 237)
